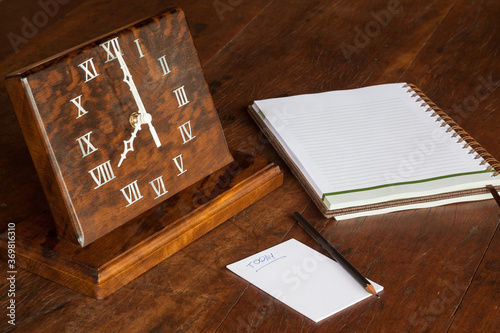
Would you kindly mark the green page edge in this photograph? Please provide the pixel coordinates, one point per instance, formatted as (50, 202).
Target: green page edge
(262, 115)
(403, 183)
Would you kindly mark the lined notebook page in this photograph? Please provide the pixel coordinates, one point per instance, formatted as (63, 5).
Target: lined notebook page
(363, 138)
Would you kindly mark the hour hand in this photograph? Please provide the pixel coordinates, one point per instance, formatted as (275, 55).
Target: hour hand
(128, 145)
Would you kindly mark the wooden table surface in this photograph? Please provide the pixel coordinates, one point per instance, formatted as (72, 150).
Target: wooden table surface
(439, 266)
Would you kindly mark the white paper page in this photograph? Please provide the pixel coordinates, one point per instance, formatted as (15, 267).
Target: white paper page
(366, 137)
(302, 278)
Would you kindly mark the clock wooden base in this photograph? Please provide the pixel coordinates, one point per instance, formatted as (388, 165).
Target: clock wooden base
(115, 259)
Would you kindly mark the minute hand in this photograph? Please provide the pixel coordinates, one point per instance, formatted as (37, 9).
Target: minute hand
(144, 116)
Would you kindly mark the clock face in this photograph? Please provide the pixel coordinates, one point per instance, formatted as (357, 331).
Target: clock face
(87, 103)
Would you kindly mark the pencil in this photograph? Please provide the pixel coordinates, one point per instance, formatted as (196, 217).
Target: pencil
(334, 253)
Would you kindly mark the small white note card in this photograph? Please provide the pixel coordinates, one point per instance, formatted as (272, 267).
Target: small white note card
(303, 279)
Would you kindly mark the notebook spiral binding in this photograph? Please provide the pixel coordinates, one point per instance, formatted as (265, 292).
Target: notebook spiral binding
(474, 146)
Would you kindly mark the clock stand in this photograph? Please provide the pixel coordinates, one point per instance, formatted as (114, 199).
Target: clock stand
(100, 268)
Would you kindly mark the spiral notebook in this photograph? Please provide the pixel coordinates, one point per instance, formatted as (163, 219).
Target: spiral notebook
(375, 150)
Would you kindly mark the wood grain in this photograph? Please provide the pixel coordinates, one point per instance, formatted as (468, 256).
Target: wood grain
(421, 310)
(477, 312)
(110, 262)
(473, 104)
(467, 89)
(25, 20)
(420, 263)
(18, 173)
(54, 127)
(290, 47)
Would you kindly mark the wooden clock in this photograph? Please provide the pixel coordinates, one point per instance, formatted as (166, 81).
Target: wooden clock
(118, 125)
(131, 155)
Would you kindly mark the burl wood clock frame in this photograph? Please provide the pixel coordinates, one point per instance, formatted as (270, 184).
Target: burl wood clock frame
(131, 155)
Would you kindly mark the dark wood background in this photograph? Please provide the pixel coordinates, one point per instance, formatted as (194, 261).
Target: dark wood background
(439, 266)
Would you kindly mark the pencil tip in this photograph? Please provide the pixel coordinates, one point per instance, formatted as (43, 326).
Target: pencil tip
(371, 290)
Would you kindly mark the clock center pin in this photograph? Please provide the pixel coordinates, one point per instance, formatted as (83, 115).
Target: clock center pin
(137, 119)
